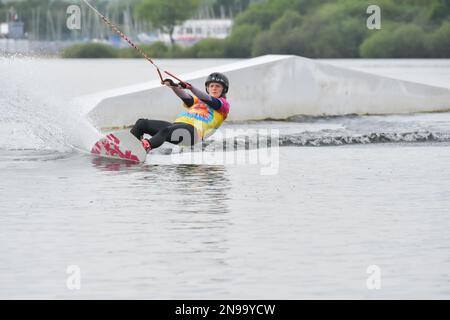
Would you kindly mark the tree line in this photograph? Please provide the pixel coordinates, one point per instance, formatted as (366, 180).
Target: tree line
(338, 29)
(310, 28)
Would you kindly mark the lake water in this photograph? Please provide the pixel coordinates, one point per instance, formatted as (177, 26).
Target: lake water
(354, 207)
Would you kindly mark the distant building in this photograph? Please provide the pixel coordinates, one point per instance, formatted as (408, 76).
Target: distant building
(13, 29)
(192, 31)
(147, 37)
(3, 30)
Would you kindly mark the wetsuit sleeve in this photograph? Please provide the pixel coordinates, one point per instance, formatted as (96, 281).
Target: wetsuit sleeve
(188, 102)
(183, 95)
(214, 103)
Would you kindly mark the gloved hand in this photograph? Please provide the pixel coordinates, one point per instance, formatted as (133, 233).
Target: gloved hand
(185, 85)
(169, 82)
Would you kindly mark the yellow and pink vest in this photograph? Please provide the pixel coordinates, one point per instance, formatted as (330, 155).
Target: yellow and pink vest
(203, 117)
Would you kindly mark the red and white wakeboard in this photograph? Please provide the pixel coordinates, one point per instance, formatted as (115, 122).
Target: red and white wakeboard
(120, 145)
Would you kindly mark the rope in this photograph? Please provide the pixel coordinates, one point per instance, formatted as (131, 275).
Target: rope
(123, 36)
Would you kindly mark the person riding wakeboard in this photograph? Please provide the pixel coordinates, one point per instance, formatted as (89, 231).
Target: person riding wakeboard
(204, 113)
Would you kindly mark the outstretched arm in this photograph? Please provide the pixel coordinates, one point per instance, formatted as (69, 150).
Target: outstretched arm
(206, 98)
(183, 95)
(186, 97)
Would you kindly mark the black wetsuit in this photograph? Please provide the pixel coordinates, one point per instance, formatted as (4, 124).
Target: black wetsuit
(162, 131)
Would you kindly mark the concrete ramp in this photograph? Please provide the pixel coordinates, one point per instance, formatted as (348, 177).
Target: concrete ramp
(275, 87)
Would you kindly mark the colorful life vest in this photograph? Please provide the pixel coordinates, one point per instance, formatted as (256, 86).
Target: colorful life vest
(203, 117)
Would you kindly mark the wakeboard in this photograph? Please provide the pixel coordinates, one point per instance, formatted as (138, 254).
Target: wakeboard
(120, 145)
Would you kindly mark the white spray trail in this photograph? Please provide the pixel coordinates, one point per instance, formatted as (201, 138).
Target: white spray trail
(34, 116)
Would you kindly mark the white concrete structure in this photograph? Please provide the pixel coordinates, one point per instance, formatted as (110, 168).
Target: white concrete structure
(275, 87)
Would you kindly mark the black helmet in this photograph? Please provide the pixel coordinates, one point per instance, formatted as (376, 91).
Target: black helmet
(219, 78)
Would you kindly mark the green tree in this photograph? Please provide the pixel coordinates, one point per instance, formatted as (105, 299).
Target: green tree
(91, 50)
(229, 7)
(155, 50)
(240, 42)
(209, 48)
(335, 30)
(263, 14)
(329, 31)
(439, 10)
(167, 14)
(320, 28)
(312, 28)
(440, 41)
(282, 36)
(404, 41)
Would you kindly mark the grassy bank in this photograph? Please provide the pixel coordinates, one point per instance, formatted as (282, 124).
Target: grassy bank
(210, 48)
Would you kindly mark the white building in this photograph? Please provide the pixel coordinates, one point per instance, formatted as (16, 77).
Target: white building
(12, 30)
(192, 31)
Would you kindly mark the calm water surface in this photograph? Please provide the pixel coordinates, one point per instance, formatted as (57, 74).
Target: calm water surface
(167, 230)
